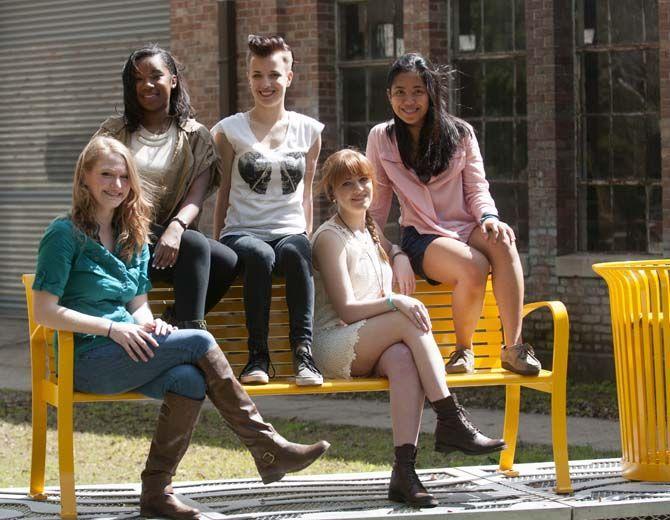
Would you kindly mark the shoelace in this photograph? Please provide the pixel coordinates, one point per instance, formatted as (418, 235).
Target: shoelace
(456, 355)
(410, 471)
(260, 362)
(525, 349)
(306, 359)
(465, 419)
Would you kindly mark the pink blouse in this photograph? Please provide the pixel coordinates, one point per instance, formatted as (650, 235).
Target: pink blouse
(450, 205)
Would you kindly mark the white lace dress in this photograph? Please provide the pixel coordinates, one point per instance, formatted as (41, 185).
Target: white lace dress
(334, 341)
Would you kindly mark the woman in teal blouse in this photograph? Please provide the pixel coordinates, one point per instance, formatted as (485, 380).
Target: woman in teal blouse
(91, 279)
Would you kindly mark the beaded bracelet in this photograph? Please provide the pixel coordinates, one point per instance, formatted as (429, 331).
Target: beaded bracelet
(391, 304)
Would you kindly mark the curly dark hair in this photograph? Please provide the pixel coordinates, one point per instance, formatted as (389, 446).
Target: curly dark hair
(441, 132)
(264, 46)
(180, 101)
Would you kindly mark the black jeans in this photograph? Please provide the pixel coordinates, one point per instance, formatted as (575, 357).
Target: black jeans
(202, 274)
(289, 256)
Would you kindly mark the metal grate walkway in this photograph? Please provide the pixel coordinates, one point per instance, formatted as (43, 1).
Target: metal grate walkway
(468, 492)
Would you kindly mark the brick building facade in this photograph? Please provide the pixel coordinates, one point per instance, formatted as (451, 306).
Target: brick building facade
(556, 195)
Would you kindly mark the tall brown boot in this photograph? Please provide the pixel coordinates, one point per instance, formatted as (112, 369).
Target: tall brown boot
(455, 432)
(176, 421)
(405, 485)
(274, 455)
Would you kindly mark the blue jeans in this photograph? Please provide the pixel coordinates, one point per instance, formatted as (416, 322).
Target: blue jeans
(289, 256)
(107, 369)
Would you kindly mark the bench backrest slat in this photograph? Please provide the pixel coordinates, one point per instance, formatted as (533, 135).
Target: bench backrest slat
(227, 323)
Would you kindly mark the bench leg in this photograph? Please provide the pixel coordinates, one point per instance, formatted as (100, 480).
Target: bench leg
(559, 437)
(511, 428)
(68, 502)
(39, 448)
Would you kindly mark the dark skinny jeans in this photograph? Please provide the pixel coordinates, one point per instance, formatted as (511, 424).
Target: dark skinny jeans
(204, 271)
(289, 256)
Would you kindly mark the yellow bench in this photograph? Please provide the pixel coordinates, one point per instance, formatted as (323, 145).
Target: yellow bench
(226, 323)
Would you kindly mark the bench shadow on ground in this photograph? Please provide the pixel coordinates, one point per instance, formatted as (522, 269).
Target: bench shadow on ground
(137, 420)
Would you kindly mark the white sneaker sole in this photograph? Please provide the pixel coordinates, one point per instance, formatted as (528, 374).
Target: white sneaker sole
(309, 381)
(255, 379)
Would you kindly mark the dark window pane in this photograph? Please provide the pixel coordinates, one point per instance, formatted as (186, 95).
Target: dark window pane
(628, 75)
(630, 233)
(353, 94)
(519, 25)
(595, 22)
(477, 127)
(497, 25)
(469, 88)
(629, 147)
(520, 98)
(469, 26)
(636, 147)
(626, 20)
(512, 202)
(380, 110)
(499, 85)
(382, 19)
(599, 219)
(356, 136)
(651, 20)
(655, 219)
(596, 83)
(653, 93)
(499, 144)
(521, 151)
(653, 147)
(597, 147)
(353, 31)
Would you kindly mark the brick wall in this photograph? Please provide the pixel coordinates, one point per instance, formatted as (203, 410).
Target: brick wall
(425, 28)
(664, 71)
(195, 42)
(309, 26)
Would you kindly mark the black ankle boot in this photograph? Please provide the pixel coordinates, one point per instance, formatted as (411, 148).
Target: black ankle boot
(192, 324)
(405, 486)
(455, 432)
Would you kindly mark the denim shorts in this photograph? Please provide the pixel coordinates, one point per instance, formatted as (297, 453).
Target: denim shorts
(414, 244)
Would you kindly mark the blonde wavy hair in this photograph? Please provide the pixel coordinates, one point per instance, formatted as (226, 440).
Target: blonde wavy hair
(131, 219)
(347, 164)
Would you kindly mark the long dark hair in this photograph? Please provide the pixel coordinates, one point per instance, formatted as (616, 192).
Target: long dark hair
(441, 132)
(180, 101)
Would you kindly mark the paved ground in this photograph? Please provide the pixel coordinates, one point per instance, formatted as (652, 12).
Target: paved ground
(535, 428)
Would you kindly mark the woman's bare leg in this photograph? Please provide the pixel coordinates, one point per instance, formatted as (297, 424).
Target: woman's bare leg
(450, 261)
(507, 278)
(380, 332)
(406, 393)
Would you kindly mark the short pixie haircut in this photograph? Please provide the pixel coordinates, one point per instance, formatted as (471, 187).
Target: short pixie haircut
(264, 46)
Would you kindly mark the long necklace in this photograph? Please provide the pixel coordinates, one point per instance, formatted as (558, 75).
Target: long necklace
(376, 266)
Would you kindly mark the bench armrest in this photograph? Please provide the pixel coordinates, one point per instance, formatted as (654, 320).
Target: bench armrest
(559, 314)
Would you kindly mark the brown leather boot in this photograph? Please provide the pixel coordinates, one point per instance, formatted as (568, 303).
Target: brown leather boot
(455, 432)
(176, 421)
(274, 455)
(405, 485)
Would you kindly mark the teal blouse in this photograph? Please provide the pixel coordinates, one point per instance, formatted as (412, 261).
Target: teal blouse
(88, 278)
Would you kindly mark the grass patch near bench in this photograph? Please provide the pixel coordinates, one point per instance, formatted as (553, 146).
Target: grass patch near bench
(112, 441)
(594, 400)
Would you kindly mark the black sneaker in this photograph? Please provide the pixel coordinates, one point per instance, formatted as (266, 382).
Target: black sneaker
(255, 372)
(306, 373)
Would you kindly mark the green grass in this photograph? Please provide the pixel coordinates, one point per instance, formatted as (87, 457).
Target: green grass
(595, 400)
(112, 441)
